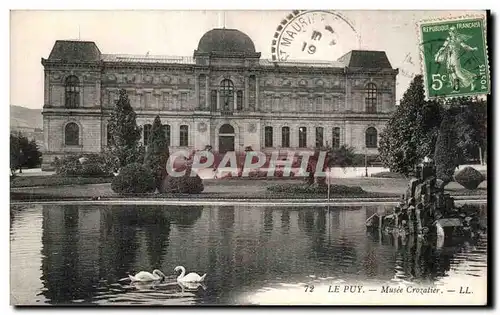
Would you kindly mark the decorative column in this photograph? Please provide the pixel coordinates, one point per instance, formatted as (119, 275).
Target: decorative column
(218, 100)
(245, 95)
(257, 98)
(197, 91)
(235, 99)
(207, 100)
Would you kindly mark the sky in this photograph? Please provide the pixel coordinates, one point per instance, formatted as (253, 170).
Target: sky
(176, 33)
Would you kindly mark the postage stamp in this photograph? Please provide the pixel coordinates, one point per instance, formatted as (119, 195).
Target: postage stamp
(247, 158)
(454, 56)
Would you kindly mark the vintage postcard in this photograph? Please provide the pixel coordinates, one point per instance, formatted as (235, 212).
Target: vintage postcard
(202, 157)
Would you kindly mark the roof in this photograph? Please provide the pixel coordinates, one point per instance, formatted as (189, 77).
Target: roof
(147, 58)
(370, 59)
(301, 63)
(226, 40)
(74, 50)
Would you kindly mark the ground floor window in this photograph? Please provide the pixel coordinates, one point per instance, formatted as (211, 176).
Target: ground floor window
(71, 134)
(319, 137)
(184, 136)
(371, 137)
(336, 138)
(285, 137)
(268, 137)
(302, 137)
(166, 131)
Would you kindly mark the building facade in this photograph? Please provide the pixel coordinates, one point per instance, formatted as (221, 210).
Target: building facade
(224, 96)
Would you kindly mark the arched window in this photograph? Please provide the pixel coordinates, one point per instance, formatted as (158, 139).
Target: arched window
(268, 137)
(371, 137)
(72, 92)
(239, 100)
(147, 131)
(184, 136)
(371, 98)
(336, 137)
(71, 134)
(285, 137)
(166, 131)
(319, 137)
(109, 135)
(227, 94)
(302, 137)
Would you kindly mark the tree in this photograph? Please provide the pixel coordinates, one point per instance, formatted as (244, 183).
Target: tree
(157, 154)
(447, 152)
(470, 122)
(23, 152)
(411, 132)
(124, 146)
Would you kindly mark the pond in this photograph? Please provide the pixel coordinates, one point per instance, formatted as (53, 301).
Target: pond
(82, 254)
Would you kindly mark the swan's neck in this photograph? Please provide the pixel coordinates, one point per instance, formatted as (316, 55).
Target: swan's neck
(183, 272)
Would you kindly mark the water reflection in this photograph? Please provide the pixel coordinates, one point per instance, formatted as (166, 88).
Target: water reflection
(86, 251)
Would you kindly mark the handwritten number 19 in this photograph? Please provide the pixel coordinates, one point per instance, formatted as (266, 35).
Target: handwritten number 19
(309, 288)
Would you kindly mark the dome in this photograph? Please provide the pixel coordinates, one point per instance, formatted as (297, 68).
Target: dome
(225, 40)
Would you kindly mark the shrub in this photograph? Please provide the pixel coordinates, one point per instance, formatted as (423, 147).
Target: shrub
(469, 178)
(85, 165)
(186, 184)
(316, 189)
(134, 178)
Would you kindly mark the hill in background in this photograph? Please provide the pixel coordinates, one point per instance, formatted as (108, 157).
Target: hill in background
(25, 118)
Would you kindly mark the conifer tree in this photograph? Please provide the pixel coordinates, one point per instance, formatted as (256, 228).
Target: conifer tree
(124, 145)
(157, 153)
(411, 132)
(447, 153)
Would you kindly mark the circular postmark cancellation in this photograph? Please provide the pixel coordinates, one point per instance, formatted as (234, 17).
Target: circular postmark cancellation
(313, 35)
(454, 56)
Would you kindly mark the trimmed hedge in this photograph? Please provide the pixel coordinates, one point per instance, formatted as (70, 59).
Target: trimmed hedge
(316, 189)
(469, 178)
(92, 165)
(186, 184)
(134, 178)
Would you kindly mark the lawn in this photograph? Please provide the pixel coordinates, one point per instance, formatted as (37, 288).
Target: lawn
(55, 180)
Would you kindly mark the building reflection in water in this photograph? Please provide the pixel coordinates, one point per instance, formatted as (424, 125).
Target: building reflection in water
(86, 249)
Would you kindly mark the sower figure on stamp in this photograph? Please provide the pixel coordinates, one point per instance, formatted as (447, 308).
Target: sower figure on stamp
(450, 55)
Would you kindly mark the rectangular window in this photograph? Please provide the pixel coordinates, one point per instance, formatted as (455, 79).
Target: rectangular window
(167, 100)
(302, 137)
(268, 137)
(319, 137)
(285, 137)
(183, 100)
(319, 103)
(336, 137)
(184, 136)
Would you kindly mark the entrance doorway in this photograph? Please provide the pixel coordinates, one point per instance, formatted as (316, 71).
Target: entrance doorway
(226, 138)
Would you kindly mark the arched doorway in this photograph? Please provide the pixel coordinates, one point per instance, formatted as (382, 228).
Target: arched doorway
(226, 138)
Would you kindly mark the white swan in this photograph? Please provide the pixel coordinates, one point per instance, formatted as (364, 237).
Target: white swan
(191, 277)
(144, 276)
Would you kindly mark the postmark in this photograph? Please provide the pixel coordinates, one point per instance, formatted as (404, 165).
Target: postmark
(454, 56)
(314, 34)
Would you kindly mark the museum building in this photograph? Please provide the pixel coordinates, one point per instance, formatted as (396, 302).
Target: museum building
(224, 96)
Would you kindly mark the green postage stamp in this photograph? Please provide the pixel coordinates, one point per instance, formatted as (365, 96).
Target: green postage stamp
(454, 56)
